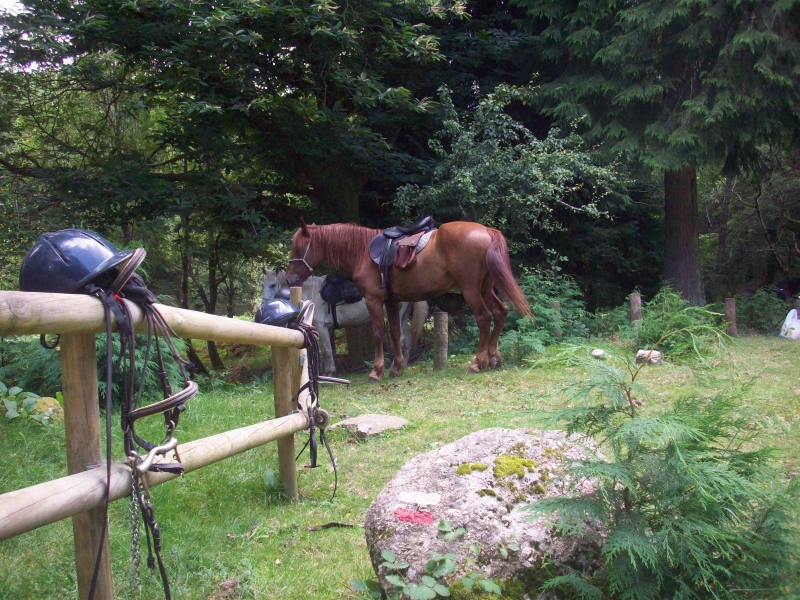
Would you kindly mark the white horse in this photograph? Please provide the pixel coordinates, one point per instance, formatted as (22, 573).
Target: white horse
(347, 315)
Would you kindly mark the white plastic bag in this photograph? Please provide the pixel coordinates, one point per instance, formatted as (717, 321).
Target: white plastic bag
(791, 326)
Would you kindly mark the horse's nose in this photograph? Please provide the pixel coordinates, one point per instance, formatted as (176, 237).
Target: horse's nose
(293, 280)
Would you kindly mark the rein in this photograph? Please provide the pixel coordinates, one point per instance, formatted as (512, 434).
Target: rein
(171, 407)
(317, 417)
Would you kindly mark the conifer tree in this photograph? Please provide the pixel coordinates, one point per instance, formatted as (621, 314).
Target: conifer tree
(675, 84)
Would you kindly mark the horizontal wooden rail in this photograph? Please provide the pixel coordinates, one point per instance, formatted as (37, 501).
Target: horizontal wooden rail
(28, 508)
(36, 313)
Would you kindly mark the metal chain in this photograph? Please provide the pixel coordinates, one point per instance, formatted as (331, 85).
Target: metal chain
(134, 506)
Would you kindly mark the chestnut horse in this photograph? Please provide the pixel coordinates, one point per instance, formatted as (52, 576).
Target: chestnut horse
(467, 255)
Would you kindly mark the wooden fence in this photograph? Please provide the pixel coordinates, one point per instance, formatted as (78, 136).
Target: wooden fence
(81, 495)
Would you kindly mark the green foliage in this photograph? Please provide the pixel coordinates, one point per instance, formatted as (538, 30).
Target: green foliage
(762, 312)
(558, 313)
(447, 531)
(677, 328)
(471, 579)
(20, 404)
(670, 81)
(605, 323)
(493, 170)
(36, 368)
(429, 587)
(31, 366)
(683, 503)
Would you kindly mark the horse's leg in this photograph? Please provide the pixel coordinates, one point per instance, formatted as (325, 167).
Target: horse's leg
(499, 311)
(473, 298)
(375, 308)
(393, 314)
(328, 364)
(405, 331)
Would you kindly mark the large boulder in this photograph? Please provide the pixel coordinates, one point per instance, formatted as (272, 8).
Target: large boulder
(480, 484)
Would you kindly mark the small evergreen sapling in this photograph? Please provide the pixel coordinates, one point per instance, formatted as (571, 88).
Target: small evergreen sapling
(685, 505)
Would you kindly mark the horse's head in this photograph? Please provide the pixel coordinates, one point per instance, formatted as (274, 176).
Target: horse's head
(305, 256)
(274, 279)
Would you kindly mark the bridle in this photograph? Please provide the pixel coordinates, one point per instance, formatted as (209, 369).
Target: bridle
(303, 260)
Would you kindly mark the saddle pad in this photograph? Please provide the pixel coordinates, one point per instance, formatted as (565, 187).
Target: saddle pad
(408, 249)
(411, 240)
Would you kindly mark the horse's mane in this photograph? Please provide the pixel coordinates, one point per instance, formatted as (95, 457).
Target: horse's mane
(342, 243)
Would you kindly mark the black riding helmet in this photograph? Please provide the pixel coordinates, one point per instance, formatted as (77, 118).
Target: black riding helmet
(64, 261)
(277, 311)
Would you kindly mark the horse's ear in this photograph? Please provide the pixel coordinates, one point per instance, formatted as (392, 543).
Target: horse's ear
(303, 225)
(277, 270)
(264, 270)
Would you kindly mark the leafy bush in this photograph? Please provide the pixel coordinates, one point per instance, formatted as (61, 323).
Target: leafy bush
(762, 312)
(493, 170)
(558, 313)
(35, 368)
(20, 404)
(684, 505)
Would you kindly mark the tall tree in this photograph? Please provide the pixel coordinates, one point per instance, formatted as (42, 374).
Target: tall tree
(675, 84)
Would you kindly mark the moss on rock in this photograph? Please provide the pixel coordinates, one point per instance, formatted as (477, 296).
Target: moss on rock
(467, 468)
(506, 464)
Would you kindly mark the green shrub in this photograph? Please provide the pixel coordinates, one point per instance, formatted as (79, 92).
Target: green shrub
(762, 312)
(605, 323)
(684, 503)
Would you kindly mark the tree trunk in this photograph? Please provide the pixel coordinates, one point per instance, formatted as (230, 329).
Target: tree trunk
(211, 308)
(722, 230)
(681, 235)
(183, 299)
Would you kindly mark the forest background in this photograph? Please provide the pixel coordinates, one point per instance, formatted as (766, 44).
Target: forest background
(626, 143)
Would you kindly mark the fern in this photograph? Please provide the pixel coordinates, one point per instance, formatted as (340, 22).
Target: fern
(32, 367)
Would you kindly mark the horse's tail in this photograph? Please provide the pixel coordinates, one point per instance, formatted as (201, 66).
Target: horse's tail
(499, 264)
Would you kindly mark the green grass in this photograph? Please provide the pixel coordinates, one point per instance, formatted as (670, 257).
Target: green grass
(220, 522)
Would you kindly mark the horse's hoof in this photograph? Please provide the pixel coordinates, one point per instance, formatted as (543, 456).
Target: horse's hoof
(373, 378)
(494, 363)
(473, 369)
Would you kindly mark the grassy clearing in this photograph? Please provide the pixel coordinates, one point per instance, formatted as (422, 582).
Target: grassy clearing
(220, 523)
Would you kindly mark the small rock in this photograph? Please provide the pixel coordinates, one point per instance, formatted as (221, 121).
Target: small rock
(599, 354)
(50, 407)
(651, 356)
(367, 425)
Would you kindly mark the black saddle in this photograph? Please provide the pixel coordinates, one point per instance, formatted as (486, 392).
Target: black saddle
(396, 231)
(384, 247)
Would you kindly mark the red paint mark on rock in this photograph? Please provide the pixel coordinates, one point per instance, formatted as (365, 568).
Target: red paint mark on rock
(419, 517)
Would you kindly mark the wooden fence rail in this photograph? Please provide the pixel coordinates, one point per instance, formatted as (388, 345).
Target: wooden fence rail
(81, 495)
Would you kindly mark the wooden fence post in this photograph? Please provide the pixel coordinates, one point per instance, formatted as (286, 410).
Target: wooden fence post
(730, 316)
(286, 379)
(441, 340)
(636, 309)
(84, 452)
